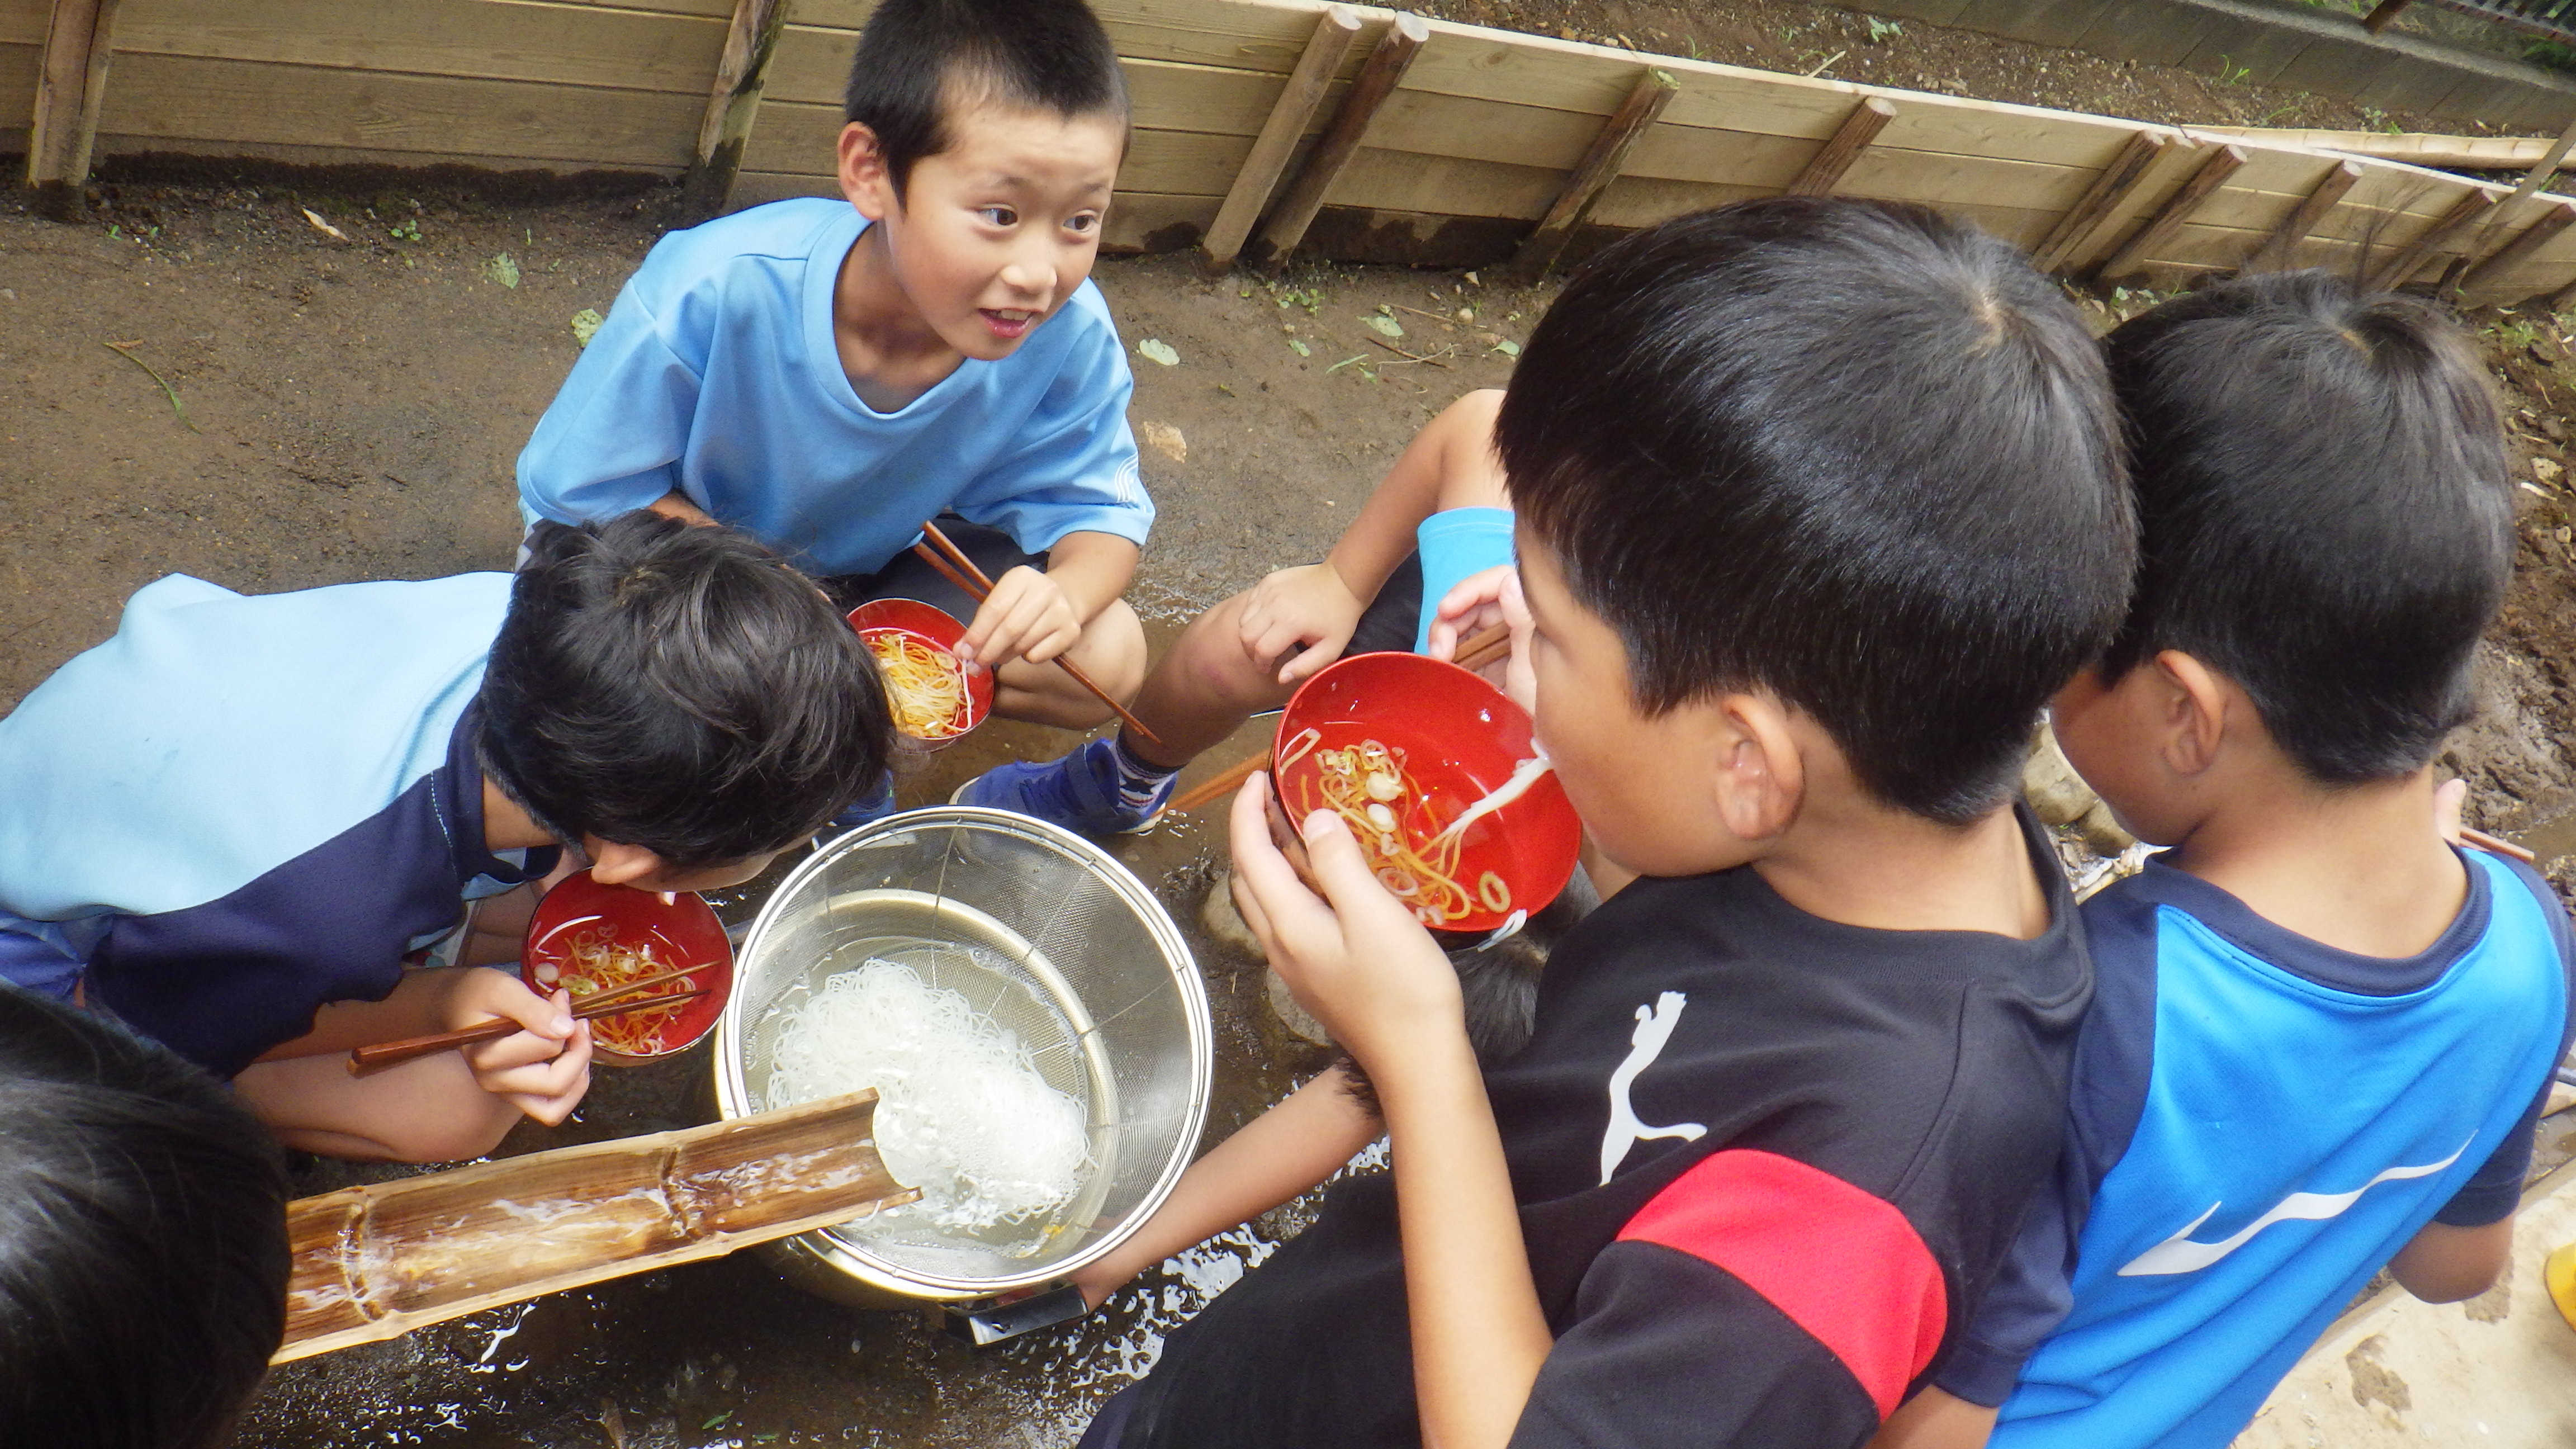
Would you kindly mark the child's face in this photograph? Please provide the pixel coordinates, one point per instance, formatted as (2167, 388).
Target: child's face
(1642, 784)
(991, 235)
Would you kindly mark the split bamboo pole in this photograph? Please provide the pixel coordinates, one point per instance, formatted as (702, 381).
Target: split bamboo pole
(2109, 190)
(1335, 31)
(71, 89)
(377, 1262)
(1377, 80)
(1844, 147)
(2445, 229)
(2558, 216)
(2538, 176)
(1599, 167)
(2175, 214)
(733, 104)
(2280, 248)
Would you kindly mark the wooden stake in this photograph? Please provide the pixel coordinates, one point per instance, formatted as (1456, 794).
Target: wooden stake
(1335, 30)
(2108, 191)
(2176, 212)
(1843, 148)
(2445, 228)
(2537, 177)
(1377, 80)
(2556, 218)
(1592, 175)
(2283, 244)
(71, 88)
(732, 105)
(2384, 16)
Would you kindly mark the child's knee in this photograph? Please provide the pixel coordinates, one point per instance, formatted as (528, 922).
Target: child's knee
(1113, 651)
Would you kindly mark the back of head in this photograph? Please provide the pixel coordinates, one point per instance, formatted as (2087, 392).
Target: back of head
(143, 1254)
(2327, 516)
(679, 689)
(1855, 453)
(920, 61)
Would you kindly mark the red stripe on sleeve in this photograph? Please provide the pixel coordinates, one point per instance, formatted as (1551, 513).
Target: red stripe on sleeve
(1842, 1264)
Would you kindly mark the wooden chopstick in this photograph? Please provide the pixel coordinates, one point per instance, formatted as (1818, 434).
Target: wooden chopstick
(1476, 653)
(2498, 844)
(387, 1053)
(979, 587)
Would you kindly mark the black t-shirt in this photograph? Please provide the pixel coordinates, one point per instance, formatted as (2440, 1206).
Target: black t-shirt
(1766, 1164)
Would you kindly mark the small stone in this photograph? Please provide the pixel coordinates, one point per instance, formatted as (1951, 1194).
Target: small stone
(2548, 470)
(1466, 314)
(1165, 439)
(2056, 793)
(1223, 921)
(2556, 430)
(2548, 349)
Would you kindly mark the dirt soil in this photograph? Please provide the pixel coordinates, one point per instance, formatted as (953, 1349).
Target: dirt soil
(286, 408)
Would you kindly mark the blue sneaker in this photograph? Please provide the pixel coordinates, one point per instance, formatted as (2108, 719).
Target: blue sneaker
(874, 806)
(1078, 792)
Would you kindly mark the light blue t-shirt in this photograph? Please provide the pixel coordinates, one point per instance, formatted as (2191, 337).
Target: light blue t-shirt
(716, 374)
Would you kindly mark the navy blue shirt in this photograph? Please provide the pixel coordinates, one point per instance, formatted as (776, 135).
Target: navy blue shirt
(241, 808)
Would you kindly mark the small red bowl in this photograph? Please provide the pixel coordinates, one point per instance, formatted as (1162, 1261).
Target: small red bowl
(1458, 739)
(941, 631)
(581, 915)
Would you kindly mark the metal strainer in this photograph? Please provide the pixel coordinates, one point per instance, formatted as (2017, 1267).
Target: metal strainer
(1055, 942)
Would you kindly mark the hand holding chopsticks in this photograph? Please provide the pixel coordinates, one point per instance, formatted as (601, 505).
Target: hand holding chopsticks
(960, 570)
(614, 1002)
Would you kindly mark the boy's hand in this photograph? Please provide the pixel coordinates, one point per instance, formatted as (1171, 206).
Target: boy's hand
(1479, 602)
(1027, 616)
(542, 1070)
(1358, 959)
(1309, 605)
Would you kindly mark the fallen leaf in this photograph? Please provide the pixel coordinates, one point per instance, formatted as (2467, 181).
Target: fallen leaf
(1302, 349)
(324, 227)
(585, 325)
(1160, 351)
(1386, 326)
(503, 269)
(1508, 348)
(1165, 439)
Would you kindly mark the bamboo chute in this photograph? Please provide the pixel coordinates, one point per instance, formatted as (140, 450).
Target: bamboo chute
(377, 1262)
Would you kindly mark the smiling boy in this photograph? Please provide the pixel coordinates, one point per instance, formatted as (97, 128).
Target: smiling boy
(826, 375)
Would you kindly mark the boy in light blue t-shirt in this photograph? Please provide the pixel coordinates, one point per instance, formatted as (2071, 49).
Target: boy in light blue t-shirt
(826, 376)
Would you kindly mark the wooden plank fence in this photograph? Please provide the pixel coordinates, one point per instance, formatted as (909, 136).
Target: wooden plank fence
(1472, 146)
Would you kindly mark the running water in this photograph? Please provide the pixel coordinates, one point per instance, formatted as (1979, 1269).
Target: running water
(963, 1113)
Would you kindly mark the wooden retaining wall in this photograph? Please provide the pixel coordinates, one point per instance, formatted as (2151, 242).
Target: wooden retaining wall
(1472, 147)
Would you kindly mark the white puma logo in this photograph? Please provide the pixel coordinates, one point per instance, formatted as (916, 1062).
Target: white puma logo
(2179, 1254)
(1654, 1028)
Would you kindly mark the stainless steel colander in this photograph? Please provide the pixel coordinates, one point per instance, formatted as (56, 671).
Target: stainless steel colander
(1056, 942)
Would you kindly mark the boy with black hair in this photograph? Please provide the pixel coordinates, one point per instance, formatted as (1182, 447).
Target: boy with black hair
(2322, 1033)
(143, 1255)
(230, 824)
(1818, 502)
(825, 375)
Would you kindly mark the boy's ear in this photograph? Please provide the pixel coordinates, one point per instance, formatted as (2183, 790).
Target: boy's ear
(865, 180)
(1761, 777)
(2192, 710)
(616, 863)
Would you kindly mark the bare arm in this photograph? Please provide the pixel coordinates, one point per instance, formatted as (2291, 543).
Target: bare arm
(2444, 1264)
(1449, 464)
(1378, 980)
(1279, 1154)
(1936, 1420)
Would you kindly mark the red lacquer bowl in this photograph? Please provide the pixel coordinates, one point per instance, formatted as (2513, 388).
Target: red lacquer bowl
(582, 921)
(941, 631)
(1456, 739)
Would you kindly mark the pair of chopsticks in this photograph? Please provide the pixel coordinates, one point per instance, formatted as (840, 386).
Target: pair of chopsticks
(960, 570)
(1476, 653)
(605, 1003)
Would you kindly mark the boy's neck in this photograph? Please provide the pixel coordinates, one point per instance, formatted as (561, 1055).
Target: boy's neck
(1853, 861)
(888, 350)
(2361, 868)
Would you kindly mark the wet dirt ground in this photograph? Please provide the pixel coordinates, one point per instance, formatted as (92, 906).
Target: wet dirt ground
(287, 408)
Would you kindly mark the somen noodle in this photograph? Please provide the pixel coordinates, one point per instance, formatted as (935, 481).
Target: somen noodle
(925, 684)
(1368, 785)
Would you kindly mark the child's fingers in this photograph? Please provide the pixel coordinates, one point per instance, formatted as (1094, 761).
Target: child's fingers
(2449, 799)
(1297, 920)
(1342, 869)
(1313, 658)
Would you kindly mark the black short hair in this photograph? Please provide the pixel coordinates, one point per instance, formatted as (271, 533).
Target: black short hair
(2327, 511)
(1855, 453)
(678, 688)
(918, 59)
(143, 1254)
